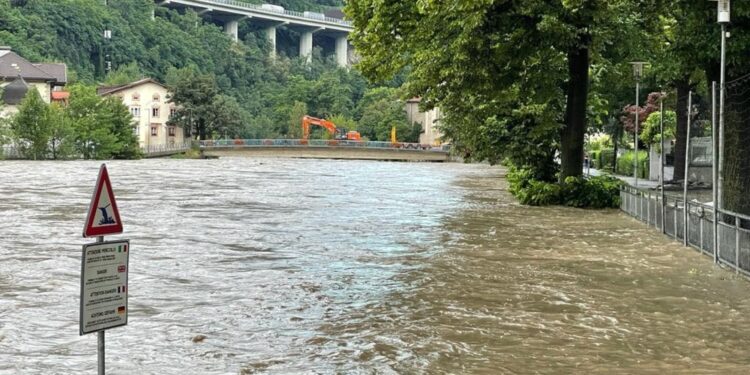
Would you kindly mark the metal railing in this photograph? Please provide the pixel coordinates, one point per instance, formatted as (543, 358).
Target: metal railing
(290, 13)
(668, 215)
(166, 148)
(249, 143)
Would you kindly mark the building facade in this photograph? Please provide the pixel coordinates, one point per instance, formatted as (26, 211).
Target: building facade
(429, 120)
(18, 76)
(148, 102)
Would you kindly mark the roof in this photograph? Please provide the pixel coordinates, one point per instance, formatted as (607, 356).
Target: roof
(15, 91)
(58, 71)
(12, 65)
(108, 90)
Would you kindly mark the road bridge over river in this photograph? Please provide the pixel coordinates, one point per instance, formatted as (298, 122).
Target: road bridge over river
(326, 149)
(230, 13)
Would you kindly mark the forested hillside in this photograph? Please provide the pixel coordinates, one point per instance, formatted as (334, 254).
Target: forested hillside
(270, 93)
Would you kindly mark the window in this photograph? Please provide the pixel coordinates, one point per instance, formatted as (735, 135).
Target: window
(136, 130)
(172, 131)
(156, 97)
(154, 112)
(136, 96)
(154, 130)
(172, 112)
(135, 112)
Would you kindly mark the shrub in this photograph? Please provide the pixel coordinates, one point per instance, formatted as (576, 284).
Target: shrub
(595, 192)
(606, 158)
(518, 179)
(625, 164)
(540, 193)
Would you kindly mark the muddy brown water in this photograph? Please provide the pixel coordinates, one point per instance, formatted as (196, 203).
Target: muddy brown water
(307, 266)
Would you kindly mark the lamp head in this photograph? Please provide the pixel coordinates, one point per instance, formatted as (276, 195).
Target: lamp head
(638, 69)
(723, 11)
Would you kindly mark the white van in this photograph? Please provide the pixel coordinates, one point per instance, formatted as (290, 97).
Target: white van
(272, 8)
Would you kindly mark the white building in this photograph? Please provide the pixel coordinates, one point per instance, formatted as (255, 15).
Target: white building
(148, 101)
(429, 120)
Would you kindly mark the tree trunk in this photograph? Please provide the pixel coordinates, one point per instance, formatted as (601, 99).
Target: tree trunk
(202, 130)
(736, 188)
(683, 89)
(572, 135)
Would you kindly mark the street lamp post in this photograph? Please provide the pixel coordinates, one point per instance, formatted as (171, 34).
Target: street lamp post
(107, 57)
(723, 18)
(637, 74)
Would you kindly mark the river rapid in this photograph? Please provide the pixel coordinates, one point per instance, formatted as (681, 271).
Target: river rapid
(291, 266)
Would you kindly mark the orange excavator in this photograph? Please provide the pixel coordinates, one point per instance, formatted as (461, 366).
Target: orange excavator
(337, 133)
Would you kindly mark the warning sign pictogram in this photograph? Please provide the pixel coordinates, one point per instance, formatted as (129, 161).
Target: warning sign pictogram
(103, 217)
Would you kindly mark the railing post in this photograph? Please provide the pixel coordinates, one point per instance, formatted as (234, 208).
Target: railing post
(700, 221)
(661, 165)
(737, 244)
(687, 168)
(674, 218)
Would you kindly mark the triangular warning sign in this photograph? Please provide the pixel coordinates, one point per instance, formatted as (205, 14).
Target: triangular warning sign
(103, 217)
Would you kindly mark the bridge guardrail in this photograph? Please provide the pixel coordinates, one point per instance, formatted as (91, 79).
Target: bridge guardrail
(292, 13)
(240, 143)
(158, 149)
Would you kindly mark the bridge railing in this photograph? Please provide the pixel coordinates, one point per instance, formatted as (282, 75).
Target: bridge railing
(166, 148)
(292, 13)
(332, 143)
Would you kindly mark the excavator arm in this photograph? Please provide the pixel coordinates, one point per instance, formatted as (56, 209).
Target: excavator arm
(308, 121)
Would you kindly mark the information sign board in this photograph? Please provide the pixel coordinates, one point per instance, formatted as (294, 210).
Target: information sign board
(104, 286)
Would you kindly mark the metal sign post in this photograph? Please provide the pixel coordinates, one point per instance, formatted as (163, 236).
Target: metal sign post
(104, 269)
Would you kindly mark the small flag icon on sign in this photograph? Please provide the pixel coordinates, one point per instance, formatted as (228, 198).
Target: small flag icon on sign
(121, 268)
(121, 289)
(121, 310)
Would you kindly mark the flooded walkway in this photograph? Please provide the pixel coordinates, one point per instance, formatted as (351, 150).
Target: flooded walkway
(308, 266)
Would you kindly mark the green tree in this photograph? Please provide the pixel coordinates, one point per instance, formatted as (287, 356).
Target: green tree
(31, 126)
(380, 116)
(114, 115)
(298, 111)
(62, 137)
(507, 60)
(102, 127)
(199, 104)
(652, 127)
(124, 74)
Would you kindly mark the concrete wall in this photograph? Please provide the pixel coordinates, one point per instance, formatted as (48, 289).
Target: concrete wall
(429, 120)
(330, 153)
(654, 158)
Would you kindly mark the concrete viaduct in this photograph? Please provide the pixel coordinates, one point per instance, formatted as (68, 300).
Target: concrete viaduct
(231, 13)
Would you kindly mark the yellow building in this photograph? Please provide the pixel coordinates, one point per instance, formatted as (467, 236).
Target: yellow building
(429, 120)
(148, 102)
(18, 76)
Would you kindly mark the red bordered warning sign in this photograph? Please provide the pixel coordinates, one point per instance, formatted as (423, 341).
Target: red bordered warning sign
(103, 217)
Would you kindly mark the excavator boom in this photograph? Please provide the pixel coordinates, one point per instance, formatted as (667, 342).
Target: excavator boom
(308, 121)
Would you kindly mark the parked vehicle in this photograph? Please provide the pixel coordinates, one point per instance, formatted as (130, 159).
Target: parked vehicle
(272, 8)
(315, 15)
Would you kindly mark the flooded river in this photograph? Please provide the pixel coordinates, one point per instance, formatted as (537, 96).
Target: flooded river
(308, 266)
